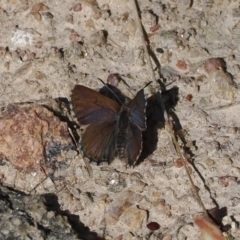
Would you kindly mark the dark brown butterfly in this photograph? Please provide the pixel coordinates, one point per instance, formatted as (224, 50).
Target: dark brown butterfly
(113, 128)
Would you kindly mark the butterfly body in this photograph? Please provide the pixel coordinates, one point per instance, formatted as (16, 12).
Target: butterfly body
(122, 133)
(113, 129)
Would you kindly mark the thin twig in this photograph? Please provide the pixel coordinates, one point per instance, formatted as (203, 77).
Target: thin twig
(179, 153)
(223, 106)
(140, 27)
(146, 50)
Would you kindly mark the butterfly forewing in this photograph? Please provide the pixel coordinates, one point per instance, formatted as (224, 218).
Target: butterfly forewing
(137, 108)
(91, 106)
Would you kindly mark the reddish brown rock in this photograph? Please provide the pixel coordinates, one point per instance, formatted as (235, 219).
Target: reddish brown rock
(153, 226)
(189, 97)
(76, 8)
(214, 64)
(181, 64)
(224, 181)
(33, 136)
(155, 28)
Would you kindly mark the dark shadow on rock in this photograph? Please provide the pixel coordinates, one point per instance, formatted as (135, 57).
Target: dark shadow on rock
(40, 217)
(78, 227)
(59, 109)
(24, 207)
(217, 214)
(155, 119)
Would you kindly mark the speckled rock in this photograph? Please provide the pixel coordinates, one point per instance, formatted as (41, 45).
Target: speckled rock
(46, 48)
(37, 217)
(133, 217)
(33, 136)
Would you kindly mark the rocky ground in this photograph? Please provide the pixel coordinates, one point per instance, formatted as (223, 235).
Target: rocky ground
(48, 47)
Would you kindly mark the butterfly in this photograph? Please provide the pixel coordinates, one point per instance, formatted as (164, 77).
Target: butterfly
(114, 128)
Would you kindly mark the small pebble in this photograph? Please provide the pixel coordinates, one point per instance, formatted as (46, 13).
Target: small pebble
(213, 64)
(181, 64)
(153, 226)
(210, 162)
(189, 97)
(133, 217)
(155, 28)
(76, 8)
(98, 38)
(224, 181)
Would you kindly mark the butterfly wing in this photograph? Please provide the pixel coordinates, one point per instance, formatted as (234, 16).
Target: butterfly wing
(137, 108)
(134, 144)
(98, 141)
(91, 106)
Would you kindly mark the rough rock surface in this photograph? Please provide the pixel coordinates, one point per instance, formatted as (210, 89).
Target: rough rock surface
(38, 217)
(32, 136)
(48, 47)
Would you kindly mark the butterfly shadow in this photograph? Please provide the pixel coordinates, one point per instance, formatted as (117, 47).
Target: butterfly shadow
(155, 119)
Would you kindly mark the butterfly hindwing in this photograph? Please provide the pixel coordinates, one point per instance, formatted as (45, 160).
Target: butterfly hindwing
(98, 141)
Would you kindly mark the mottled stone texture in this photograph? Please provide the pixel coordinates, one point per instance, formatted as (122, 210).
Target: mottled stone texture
(38, 217)
(31, 136)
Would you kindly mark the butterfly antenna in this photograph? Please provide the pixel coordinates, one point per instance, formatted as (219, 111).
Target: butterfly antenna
(110, 90)
(147, 84)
